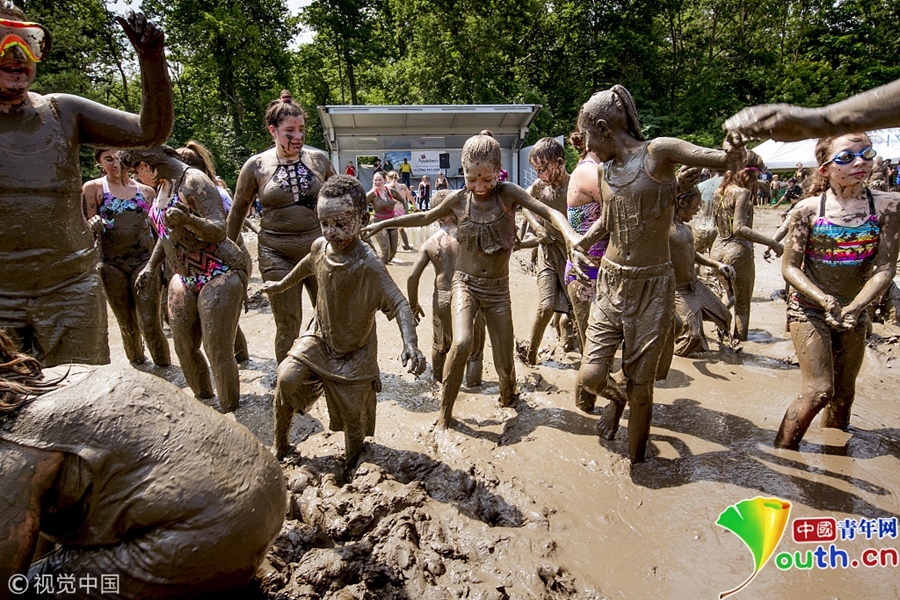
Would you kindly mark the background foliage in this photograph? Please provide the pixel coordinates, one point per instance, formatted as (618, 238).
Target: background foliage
(689, 63)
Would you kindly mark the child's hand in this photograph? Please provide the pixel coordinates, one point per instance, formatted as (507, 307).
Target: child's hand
(143, 279)
(417, 313)
(579, 261)
(273, 287)
(727, 271)
(177, 215)
(415, 358)
(97, 225)
(368, 231)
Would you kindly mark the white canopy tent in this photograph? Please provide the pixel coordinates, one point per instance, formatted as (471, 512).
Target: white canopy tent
(786, 155)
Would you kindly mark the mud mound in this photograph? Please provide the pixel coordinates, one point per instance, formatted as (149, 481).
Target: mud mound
(411, 527)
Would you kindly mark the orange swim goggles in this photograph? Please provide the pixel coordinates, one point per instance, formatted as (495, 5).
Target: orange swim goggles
(32, 38)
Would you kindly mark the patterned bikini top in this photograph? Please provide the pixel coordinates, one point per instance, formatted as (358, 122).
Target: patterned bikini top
(110, 206)
(297, 179)
(488, 237)
(157, 217)
(836, 245)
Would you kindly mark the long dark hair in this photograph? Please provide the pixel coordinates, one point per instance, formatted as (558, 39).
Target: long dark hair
(21, 377)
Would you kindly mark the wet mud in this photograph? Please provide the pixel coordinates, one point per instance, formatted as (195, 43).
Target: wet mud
(528, 502)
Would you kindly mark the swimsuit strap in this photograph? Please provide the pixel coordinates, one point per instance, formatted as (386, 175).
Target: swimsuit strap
(822, 206)
(105, 185)
(587, 160)
(871, 201)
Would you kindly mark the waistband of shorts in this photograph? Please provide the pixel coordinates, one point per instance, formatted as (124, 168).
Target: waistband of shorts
(483, 282)
(687, 286)
(624, 272)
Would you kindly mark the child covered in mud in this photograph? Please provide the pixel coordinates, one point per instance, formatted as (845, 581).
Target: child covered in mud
(486, 210)
(338, 353)
(634, 303)
(442, 251)
(694, 302)
(548, 159)
(840, 255)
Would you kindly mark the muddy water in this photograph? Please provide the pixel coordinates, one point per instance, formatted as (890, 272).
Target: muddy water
(527, 502)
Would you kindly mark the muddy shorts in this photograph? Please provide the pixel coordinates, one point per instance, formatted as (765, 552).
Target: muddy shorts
(633, 306)
(694, 303)
(66, 324)
(487, 294)
(551, 278)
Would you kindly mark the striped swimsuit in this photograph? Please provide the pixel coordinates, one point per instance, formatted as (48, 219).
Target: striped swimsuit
(581, 218)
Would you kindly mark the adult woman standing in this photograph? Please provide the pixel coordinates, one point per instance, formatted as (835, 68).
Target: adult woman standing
(734, 202)
(207, 291)
(286, 179)
(384, 200)
(116, 208)
(441, 183)
(424, 193)
(393, 182)
(840, 255)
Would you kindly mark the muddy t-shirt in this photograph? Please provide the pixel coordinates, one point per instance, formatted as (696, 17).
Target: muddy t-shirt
(340, 341)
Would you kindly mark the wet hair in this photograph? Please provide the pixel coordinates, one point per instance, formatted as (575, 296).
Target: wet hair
(393, 176)
(546, 150)
(824, 153)
(338, 186)
(482, 148)
(747, 178)
(616, 107)
(194, 154)
(98, 152)
(9, 9)
(152, 156)
(283, 108)
(21, 378)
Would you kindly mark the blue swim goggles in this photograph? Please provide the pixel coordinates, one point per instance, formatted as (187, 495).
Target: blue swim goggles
(846, 157)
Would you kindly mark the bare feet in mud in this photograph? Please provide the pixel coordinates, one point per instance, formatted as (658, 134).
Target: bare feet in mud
(525, 353)
(608, 424)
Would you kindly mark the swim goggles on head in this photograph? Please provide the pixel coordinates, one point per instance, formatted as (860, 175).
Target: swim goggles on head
(846, 157)
(32, 38)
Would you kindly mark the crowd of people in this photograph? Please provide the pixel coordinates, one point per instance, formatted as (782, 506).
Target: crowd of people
(127, 475)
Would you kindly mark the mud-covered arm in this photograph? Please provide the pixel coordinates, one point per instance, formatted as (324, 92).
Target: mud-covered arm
(27, 475)
(90, 204)
(209, 222)
(411, 353)
(726, 270)
(412, 283)
(665, 153)
(884, 267)
(792, 263)
(878, 108)
(301, 271)
(152, 266)
(244, 193)
(419, 219)
(743, 204)
(103, 126)
(594, 234)
(559, 220)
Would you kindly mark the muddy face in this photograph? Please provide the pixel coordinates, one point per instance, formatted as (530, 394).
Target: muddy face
(17, 72)
(145, 174)
(549, 171)
(854, 172)
(341, 222)
(289, 136)
(109, 164)
(481, 179)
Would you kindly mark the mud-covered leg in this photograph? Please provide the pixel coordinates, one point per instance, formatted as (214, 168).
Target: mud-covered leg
(148, 300)
(219, 306)
(849, 352)
(117, 284)
(463, 339)
(475, 366)
(498, 320)
(241, 350)
(640, 401)
(287, 309)
(184, 320)
(812, 342)
(297, 388)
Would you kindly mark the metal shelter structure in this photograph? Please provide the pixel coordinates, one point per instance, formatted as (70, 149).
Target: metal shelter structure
(421, 134)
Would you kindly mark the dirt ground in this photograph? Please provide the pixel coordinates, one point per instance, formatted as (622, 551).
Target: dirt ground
(528, 502)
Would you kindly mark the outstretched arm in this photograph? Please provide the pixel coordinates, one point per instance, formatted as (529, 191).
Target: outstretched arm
(103, 126)
(741, 226)
(301, 271)
(878, 108)
(559, 220)
(665, 153)
(419, 219)
(411, 353)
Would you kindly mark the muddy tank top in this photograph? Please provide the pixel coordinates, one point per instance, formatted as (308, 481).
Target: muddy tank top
(292, 186)
(40, 186)
(488, 237)
(128, 238)
(383, 204)
(724, 215)
(632, 197)
(156, 456)
(851, 249)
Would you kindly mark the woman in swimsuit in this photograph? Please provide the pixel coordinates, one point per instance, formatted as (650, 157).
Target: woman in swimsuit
(383, 200)
(286, 179)
(210, 281)
(840, 254)
(486, 211)
(393, 182)
(733, 211)
(116, 208)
